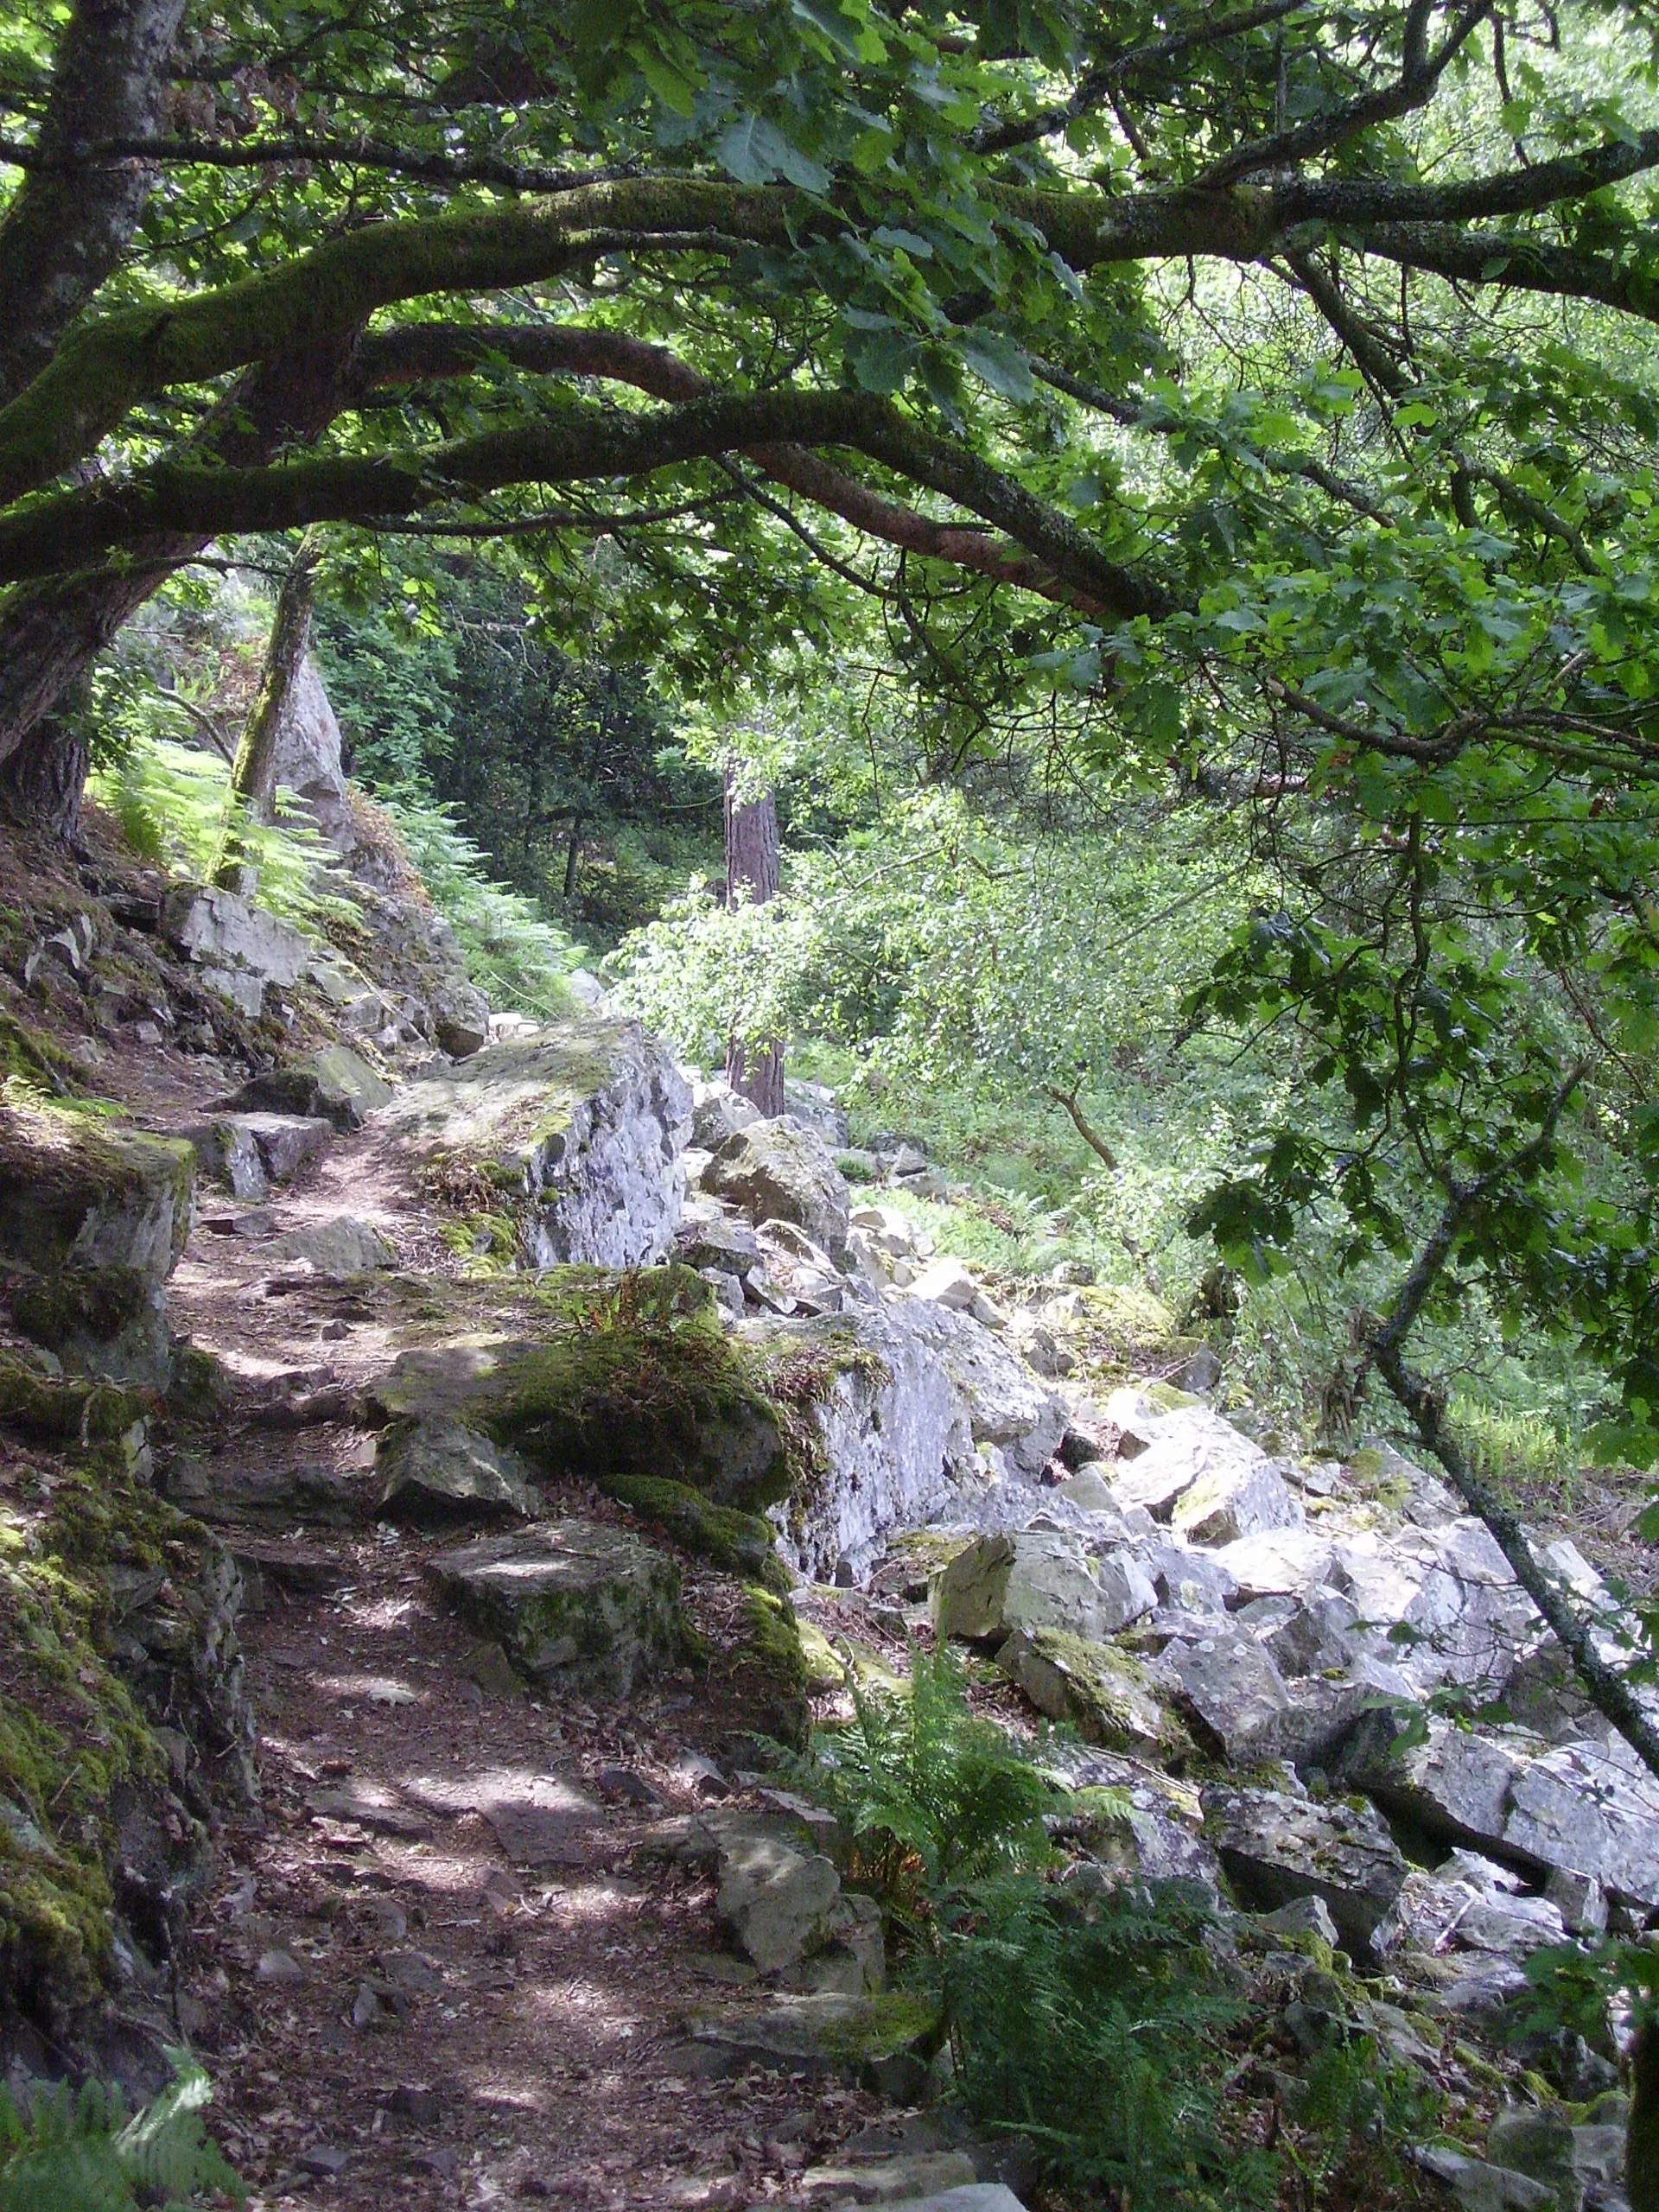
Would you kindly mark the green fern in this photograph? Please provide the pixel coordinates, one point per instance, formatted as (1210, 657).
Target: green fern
(514, 955)
(81, 2151)
(928, 1795)
(174, 806)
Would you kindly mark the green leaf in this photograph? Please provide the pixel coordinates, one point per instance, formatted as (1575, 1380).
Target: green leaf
(1001, 363)
(755, 151)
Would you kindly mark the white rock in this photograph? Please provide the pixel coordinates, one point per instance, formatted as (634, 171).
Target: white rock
(946, 1282)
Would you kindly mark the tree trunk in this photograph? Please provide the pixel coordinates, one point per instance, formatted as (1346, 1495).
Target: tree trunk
(40, 786)
(756, 1074)
(50, 633)
(72, 220)
(253, 778)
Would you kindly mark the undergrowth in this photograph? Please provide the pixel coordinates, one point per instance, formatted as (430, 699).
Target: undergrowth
(62, 2151)
(517, 957)
(1100, 2022)
(175, 807)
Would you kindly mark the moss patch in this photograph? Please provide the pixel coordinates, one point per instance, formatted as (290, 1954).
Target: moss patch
(773, 1649)
(740, 1543)
(638, 1377)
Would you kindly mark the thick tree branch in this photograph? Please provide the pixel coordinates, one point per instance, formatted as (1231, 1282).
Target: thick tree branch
(100, 373)
(421, 351)
(68, 227)
(587, 441)
(317, 152)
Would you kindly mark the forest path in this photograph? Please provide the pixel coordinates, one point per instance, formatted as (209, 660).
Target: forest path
(440, 1968)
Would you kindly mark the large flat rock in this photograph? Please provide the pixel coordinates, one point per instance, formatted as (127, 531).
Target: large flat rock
(582, 1124)
(576, 1604)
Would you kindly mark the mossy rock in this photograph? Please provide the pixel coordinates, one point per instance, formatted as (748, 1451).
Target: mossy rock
(824, 1670)
(622, 1372)
(1140, 1319)
(773, 1657)
(77, 1191)
(77, 1753)
(574, 1604)
(882, 2043)
(740, 1543)
(109, 1321)
(56, 1410)
(1104, 1693)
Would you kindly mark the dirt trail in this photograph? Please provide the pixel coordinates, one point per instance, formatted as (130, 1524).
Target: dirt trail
(423, 1973)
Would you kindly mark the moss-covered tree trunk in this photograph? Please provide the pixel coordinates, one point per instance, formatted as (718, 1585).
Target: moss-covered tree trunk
(756, 1072)
(253, 777)
(73, 218)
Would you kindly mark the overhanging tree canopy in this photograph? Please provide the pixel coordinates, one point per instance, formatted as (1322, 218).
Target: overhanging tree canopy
(1272, 386)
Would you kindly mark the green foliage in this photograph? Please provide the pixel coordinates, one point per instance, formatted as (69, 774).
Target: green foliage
(1097, 2033)
(81, 2152)
(174, 808)
(515, 955)
(927, 1795)
(562, 770)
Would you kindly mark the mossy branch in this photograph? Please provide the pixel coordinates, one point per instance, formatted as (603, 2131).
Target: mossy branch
(586, 441)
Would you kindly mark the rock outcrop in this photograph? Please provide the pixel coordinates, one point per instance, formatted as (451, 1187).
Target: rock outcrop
(580, 1127)
(574, 1605)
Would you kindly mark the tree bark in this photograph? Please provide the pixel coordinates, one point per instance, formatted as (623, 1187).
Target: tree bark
(755, 1073)
(253, 777)
(41, 787)
(51, 633)
(74, 217)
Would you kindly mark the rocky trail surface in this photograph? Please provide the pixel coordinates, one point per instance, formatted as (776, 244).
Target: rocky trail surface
(441, 1455)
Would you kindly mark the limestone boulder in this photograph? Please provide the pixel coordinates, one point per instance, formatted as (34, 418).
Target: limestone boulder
(779, 1170)
(1233, 1690)
(576, 1604)
(1008, 1407)
(307, 739)
(719, 1112)
(816, 1108)
(1233, 1500)
(1106, 1695)
(891, 1432)
(92, 1220)
(1037, 1579)
(1588, 1809)
(582, 1124)
(1183, 1446)
(79, 1193)
(334, 1084)
(439, 1469)
(1276, 1847)
(225, 933)
(339, 1247)
(777, 1902)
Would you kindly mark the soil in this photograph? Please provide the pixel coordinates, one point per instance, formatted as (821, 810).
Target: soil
(529, 2042)
(393, 2004)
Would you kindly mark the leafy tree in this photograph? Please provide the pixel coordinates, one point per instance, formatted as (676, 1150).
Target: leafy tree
(1263, 394)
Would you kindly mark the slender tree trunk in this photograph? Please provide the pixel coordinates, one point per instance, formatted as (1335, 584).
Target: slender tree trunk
(72, 220)
(50, 633)
(571, 852)
(253, 778)
(752, 872)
